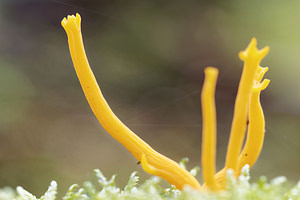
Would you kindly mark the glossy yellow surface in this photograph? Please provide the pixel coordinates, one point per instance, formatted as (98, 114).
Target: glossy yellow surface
(247, 105)
(209, 131)
(152, 162)
(256, 128)
(252, 58)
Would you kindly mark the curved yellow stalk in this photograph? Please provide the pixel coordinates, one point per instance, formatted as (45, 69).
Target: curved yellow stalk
(251, 57)
(256, 126)
(256, 129)
(209, 127)
(160, 165)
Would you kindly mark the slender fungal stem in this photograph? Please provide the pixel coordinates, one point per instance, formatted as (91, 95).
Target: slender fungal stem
(209, 132)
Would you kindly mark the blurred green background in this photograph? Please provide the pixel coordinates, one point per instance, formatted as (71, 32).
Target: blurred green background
(148, 57)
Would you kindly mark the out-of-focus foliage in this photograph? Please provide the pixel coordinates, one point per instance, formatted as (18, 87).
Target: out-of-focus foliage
(16, 92)
(276, 189)
(148, 57)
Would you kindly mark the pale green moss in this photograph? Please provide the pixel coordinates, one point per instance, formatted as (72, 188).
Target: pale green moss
(105, 189)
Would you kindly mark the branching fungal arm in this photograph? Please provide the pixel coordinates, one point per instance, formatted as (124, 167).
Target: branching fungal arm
(152, 161)
(256, 128)
(251, 57)
(247, 104)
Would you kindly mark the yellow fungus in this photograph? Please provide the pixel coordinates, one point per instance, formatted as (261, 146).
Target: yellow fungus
(152, 162)
(209, 127)
(257, 117)
(247, 104)
(251, 57)
(256, 128)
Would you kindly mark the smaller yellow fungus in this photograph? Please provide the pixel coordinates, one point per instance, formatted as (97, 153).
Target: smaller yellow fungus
(209, 127)
(247, 104)
(256, 128)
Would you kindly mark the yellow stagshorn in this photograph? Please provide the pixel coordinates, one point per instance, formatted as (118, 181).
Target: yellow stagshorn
(247, 105)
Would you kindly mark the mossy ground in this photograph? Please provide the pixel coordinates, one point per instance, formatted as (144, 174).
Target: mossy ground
(104, 189)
